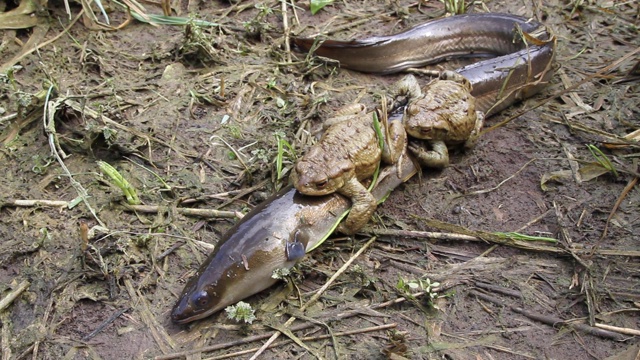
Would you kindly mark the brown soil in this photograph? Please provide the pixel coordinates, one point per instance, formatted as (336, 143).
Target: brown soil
(184, 107)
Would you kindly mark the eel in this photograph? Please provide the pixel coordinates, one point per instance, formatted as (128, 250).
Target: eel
(523, 52)
(278, 232)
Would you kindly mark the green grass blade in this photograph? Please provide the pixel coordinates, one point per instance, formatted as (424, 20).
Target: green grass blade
(119, 180)
(518, 236)
(602, 159)
(166, 20)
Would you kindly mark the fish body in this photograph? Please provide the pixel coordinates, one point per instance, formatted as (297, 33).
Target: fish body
(274, 235)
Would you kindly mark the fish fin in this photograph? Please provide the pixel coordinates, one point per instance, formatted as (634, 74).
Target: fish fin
(297, 247)
(295, 250)
(305, 44)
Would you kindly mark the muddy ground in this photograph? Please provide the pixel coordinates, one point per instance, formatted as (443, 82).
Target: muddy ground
(191, 119)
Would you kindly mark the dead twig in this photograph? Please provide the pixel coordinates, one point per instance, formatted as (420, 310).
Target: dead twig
(22, 55)
(237, 194)
(309, 338)
(315, 297)
(164, 341)
(286, 30)
(205, 213)
(30, 203)
(106, 323)
(329, 315)
(626, 331)
(484, 191)
(13, 294)
(419, 234)
(48, 119)
(551, 320)
(623, 195)
(475, 235)
(498, 289)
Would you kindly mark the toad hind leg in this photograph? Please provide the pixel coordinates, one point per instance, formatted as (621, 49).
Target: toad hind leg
(437, 157)
(363, 206)
(395, 137)
(475, 134)
(407, 86)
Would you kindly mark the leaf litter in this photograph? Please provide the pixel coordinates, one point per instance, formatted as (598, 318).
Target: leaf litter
(198, 117)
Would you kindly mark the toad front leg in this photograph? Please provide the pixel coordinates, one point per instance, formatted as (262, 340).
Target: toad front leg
(395, 137)
(475, 134)
(363, 204)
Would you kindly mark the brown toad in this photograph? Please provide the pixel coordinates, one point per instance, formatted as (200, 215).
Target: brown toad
(348, 153)
(443, 113)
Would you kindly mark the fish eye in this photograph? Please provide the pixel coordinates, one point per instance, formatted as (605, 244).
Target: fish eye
(201, 298)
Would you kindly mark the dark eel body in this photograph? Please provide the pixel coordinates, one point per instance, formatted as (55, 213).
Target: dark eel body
(522, 54)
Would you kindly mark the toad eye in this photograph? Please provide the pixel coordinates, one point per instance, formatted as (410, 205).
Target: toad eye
(201, 298)
(321, 184)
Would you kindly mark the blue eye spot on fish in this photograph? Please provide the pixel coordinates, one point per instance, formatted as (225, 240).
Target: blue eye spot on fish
(297, 249)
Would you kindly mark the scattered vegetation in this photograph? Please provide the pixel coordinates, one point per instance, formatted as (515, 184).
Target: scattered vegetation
(241, 312)
(317, 5)
(409, 287)
(455, 7)
(213, 116)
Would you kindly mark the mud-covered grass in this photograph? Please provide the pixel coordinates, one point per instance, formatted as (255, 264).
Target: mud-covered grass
(191, 117)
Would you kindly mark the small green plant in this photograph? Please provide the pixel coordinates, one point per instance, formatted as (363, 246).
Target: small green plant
(261, 154)
(602, 159)
(234, 131)
(410, 286)
(317, 5)
(241, 312)
(141, 16)
(129, 191)
(362, 275)
(281, 273)
(258, 25)
(199, 43)
(454, 7)
(577, 5)
(41, 163)
(284, 147)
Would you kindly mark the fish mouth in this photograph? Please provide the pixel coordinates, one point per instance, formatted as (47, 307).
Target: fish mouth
(180, 319)
(183, 313)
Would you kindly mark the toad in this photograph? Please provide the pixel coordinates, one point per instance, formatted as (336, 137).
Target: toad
(349, 152)
(442, 113)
